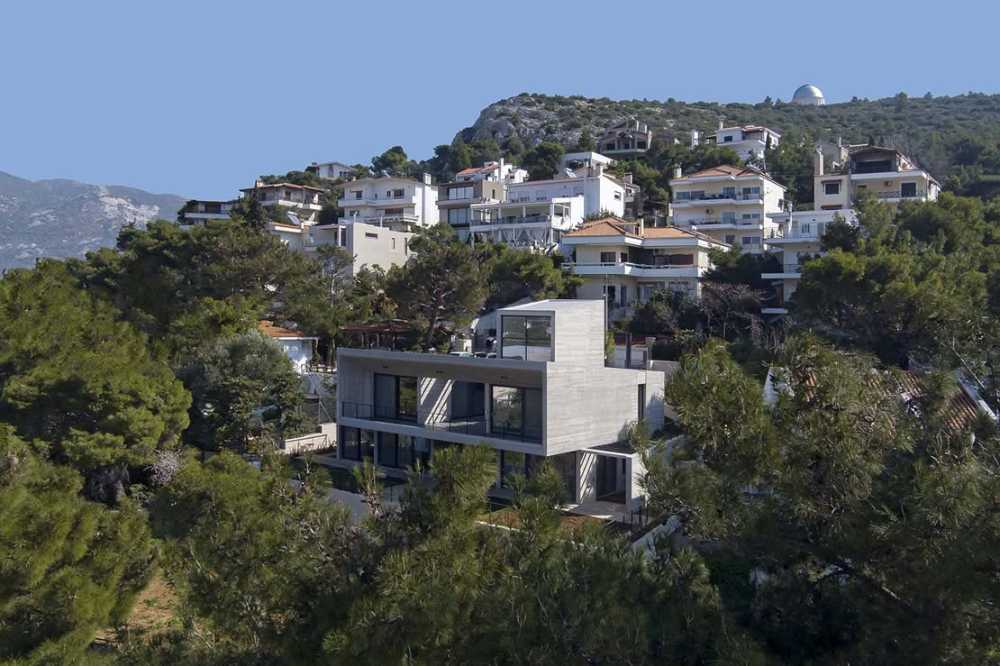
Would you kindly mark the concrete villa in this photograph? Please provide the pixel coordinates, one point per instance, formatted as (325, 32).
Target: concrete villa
(539, 399)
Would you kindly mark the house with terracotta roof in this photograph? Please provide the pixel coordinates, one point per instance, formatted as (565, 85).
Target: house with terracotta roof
(298, 347)
(731, 204)
(625, 263)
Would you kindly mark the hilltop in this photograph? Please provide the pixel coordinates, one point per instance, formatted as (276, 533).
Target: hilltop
(930, 129)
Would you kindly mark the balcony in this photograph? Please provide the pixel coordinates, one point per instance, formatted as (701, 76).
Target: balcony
(718, 222)
(788, 271)
(686, 198)
(477, 426)
(553, 220)
(898, 194)
(629, 268)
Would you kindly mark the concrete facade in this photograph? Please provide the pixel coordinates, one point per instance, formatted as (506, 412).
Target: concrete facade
(400, 203)
(577, 402)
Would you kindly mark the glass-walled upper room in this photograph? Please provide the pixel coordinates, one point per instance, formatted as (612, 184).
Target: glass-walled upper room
(527, 337)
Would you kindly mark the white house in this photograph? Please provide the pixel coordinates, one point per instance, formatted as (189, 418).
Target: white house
(796, 239)
(624, 263)
(498, 172)
(298, 347)
(749, 141)
(299, 201)
(537, 213)
(390, 201)
(331, 170)
(547, 396)
(729, 203)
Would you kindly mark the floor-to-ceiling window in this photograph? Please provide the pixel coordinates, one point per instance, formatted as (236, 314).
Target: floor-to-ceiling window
(396, 450)
(356, 444)
(516, 413)
(395, 397)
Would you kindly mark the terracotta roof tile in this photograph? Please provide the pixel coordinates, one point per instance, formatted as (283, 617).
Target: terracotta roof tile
(271, 330)
(613, 226)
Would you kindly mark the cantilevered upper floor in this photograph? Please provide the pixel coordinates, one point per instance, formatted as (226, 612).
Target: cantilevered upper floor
(546, 392)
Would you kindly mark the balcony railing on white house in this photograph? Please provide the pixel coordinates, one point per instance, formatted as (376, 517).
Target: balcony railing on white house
(682, 197)
(709, 221)
(899, 194)
(526, 219)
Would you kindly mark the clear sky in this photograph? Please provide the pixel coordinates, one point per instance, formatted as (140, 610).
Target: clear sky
(197, 98)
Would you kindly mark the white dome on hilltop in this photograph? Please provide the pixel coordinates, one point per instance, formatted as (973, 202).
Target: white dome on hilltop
(808, 95)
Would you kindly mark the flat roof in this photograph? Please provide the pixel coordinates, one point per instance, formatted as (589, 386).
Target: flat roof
(556, 305)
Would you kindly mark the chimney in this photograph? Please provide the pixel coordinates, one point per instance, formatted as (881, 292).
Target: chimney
(818, 162)
(427, 179)
(642, 226)
(722, 122)
(627, 178)
(678, 172)
(695, 138)
(258, 183)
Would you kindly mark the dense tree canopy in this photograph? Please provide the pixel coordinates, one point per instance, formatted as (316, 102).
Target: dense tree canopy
(245, 395)
(74, 374)
(68, 566)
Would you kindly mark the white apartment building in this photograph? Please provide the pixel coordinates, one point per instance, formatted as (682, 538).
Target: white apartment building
(389, 201)
(332, 170)
(547, 396)
(749, 141)
(301, 202)
(797, 239)
(537, 213)
(625, 263)
(731, 204)
(883, 173)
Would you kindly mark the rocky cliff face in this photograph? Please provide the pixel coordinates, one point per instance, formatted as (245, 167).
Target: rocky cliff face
(535, 118)
(66, 218)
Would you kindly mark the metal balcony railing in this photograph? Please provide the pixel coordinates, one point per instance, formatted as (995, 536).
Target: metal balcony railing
(473, 425)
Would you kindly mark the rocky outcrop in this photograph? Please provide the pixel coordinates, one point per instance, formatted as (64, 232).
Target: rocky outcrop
(66, 218)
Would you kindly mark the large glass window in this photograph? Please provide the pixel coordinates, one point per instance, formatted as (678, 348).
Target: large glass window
(908, 190)
(461, 192)
(395, 397)
(516, 413)
(528, 338)
(356, 444)
(458, 216)
(468, 400)
(396, 450)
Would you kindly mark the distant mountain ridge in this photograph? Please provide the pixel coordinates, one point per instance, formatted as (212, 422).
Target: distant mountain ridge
(67, 218)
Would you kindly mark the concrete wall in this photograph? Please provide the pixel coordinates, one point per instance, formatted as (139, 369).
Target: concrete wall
(376, 246)
(589, 407)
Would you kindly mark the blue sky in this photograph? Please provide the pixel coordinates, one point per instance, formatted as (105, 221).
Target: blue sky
(197, 98)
